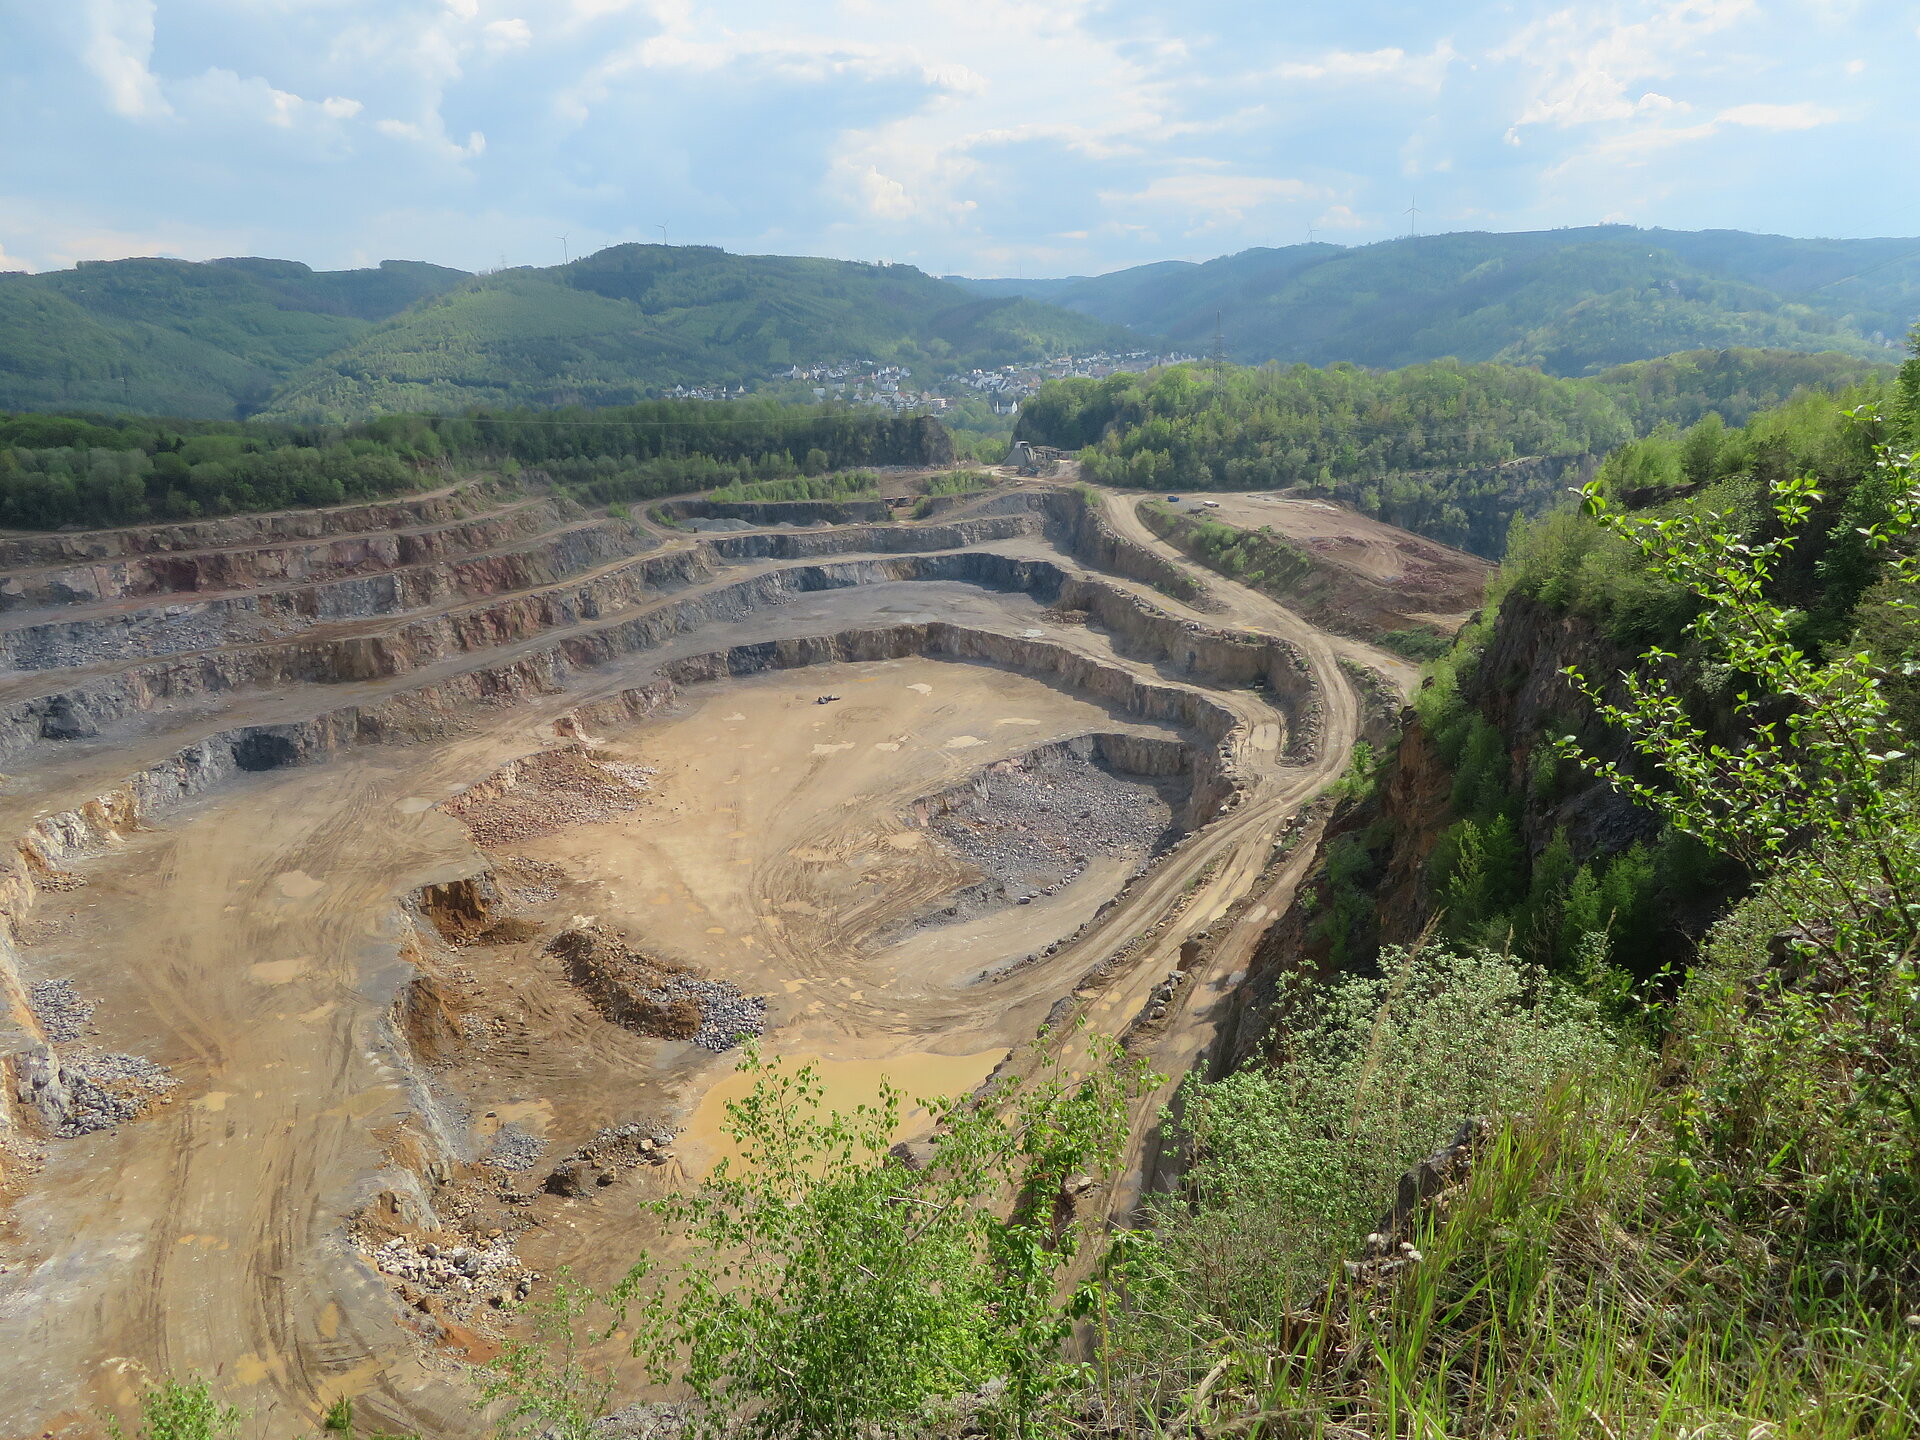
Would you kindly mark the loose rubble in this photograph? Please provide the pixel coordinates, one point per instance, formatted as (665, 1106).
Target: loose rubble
(609, 1155)
(85, 1089)
(514, 1149)
(548, 792)
(492, 1272)
(62, 1014)
(654, 996)
(1033, 826)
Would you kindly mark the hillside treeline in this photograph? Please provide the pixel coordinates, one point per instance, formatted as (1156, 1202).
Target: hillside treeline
(1570, 302)
(228, 339)
(108, 470)
(1435, 447)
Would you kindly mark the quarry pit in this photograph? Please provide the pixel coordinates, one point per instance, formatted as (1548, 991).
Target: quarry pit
(390, 889)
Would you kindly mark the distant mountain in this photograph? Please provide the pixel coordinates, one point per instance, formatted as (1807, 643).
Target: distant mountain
(172, 338)
(240, 337)
(1571, 302)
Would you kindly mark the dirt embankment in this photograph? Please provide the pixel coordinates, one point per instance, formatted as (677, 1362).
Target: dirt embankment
(1340, 570)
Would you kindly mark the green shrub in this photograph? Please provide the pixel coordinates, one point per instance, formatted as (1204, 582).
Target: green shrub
(182, 1410)
(1294, 1158)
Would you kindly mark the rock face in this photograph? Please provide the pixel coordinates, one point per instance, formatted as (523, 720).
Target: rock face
(1085, 531)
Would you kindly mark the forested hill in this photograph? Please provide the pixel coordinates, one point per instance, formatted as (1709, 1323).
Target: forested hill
(1571, 302)
(1450, 449)
(232, 338)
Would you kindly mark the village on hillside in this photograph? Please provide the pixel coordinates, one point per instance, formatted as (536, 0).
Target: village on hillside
(869, 382)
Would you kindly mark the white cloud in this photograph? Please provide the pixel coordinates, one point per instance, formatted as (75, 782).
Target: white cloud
(1804, 115)
(1371, 66)
(1217, 196)
(1076, 133)
(885, 196)
(1586, 61)
(219, 97)
(503, 35)
(119, 50)
(1340, 217)
(1635, 147)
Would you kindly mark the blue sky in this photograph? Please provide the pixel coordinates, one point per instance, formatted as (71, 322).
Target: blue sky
(1037, 137)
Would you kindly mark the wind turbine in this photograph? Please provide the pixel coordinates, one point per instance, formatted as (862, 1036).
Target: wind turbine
(566, 255)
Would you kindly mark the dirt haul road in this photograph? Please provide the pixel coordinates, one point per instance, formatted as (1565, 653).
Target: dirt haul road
(250, 936)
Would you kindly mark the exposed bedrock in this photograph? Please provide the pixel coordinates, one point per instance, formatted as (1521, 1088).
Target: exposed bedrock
(457, 502)
(54, 841)
(875, 539)
(1214, 769)
(776, 512)
(282, 562)
(1080, 525)
(171, 629)
(397, 650)
(1212, 655)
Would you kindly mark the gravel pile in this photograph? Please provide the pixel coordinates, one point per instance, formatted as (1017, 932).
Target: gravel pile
(62, 1014)
(550, 792)
(531, 882)
(513, 1149)
(1033, 827)
(107, 1089)
(657, 997)
(456, 1270)
(727, 1015)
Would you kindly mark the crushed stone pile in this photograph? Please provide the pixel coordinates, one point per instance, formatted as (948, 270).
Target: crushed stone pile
(514, 1149)
(491, 1272)
(62, 1014)
(105, 1089)
(546, 793)
(656, 997)
(1031, 827)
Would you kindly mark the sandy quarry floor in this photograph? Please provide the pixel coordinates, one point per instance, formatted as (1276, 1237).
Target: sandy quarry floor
(238, 945)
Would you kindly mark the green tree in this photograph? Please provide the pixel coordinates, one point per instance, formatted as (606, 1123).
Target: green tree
(832, 1290)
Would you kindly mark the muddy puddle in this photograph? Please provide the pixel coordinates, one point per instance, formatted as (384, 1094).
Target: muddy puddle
(845, 1086)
